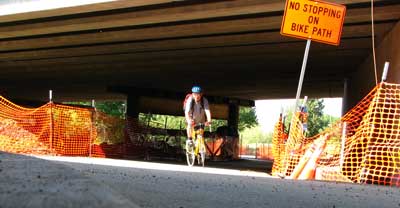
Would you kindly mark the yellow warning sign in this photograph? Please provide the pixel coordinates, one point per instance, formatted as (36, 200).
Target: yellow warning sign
(315, 20)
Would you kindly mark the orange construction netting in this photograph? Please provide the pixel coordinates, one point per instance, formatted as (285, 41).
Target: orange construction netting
(363, 147)
(50, 129)
(55, 129)
(119, 138)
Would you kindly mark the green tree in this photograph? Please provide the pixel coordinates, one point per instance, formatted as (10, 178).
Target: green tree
(114, 108)
(162, 121)
(255, 135)
(247, 118)
(317, 121)
(173, 122)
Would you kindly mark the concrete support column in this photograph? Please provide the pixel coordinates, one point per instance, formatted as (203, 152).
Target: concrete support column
(133, 106)
(233, 117)
(345, 105)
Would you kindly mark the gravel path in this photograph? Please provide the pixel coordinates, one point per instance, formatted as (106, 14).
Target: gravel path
(94, 182)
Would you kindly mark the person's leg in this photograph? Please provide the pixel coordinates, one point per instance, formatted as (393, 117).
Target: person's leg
(189, 140)
(189, 132)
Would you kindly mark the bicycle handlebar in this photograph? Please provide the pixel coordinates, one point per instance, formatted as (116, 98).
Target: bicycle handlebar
(201, 125)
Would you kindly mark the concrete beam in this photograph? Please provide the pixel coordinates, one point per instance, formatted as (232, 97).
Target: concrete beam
(170, 103)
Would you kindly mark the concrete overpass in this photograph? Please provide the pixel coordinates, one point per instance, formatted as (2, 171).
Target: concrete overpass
(119, 49)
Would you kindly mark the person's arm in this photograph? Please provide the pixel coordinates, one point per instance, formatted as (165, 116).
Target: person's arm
(207, 111)
(189, 119)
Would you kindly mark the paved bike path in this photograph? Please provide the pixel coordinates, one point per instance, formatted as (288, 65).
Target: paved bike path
(96, 182)
(36, 183)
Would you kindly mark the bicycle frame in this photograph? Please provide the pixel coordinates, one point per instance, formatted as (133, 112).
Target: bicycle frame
(198, 135)
(199, 150)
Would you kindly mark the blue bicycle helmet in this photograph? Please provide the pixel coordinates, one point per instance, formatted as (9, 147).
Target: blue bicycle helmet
(196, 89)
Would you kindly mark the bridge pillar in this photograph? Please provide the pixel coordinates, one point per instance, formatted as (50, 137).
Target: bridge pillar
(133, 106)
(345, 96)
(233, 116)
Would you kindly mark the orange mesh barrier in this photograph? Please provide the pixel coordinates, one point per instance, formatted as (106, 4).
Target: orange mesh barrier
(223, 148)
(73, 130)
(246, 150)
(76, 131)
(65, 130)
(366, 151)
(110, 129)
(119, 138)
(108, 150)
(264, 152)
(136, 132)
(214, 147)
(49, 129)
(278, 144)
(258, 151)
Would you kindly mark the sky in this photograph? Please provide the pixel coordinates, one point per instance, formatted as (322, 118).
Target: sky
(268, 111)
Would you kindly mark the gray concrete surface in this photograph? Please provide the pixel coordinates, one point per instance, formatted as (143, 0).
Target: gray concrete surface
(32, 182)
(94, 182)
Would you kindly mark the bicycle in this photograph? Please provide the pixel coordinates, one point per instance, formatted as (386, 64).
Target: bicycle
(198, 148)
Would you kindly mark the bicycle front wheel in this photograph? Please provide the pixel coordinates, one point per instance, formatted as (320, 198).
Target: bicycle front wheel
(190, 156)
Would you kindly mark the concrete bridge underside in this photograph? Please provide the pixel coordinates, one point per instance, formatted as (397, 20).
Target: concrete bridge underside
(232, 48)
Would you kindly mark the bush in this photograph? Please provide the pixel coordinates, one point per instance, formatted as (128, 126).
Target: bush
(255, 135)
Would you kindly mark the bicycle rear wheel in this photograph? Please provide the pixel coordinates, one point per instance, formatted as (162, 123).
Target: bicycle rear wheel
(190, 157)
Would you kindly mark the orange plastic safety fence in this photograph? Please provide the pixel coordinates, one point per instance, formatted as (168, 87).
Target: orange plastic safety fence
(259, 151)
(73, 130)
(110, 129)
(366, 151)
(243, 150)
(49, 129)
(292, 147)
(119, 138)
(214, 147)
(108, 150)
(278, 150)
(248, 150)
(264, 152)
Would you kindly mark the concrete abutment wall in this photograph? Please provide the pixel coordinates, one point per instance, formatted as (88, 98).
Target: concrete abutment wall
(363, 80)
